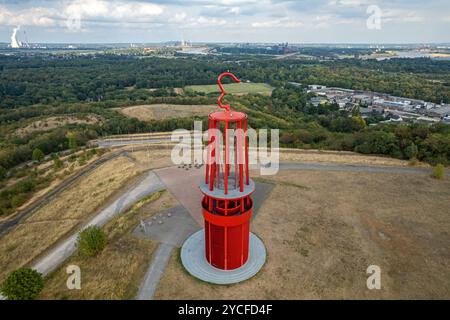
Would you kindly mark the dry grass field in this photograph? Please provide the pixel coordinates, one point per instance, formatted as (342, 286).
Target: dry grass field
(61, 215)
(329, 227)
(152, 158)
(117, 271)
(57, 121)
(320, 239)
(166, 111)
(343, 157)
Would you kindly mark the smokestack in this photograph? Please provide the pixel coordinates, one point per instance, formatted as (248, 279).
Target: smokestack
(14, 42)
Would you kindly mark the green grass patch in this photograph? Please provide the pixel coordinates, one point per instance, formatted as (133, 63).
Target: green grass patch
(233, 88)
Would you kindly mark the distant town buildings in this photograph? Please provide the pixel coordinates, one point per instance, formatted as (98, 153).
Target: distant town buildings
(395, 109)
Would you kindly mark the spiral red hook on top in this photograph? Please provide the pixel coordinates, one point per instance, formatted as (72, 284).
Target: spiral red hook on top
(219, 81)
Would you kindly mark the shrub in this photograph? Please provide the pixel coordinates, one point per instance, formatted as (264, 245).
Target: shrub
(438, 171)
(82, 160)
(38, 155)
(18, 200)
(91, 241)
(413, 162)
(57, 163)
(23, 284)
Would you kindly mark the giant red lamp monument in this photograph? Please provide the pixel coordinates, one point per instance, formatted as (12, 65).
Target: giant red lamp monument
(225, 251)
(226, 205)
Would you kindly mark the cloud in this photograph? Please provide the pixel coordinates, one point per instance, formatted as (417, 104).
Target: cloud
(399, 15)
(242, 20)
(277, 23)
(86, 10)
(113, 10)
(205, 21)
(33, 16)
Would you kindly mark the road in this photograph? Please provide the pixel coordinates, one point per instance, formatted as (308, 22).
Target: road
(149, 184)
(127, 142)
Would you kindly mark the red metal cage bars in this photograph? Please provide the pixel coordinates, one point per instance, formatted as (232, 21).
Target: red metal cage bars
(227, 205)
(227, 188)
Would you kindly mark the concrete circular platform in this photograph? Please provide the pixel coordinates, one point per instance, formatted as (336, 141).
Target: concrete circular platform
(194, 260)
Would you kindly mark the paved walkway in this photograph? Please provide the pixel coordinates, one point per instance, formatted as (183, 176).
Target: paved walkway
(184, 183)
(149, 184)
(155, 271)
(194, 261)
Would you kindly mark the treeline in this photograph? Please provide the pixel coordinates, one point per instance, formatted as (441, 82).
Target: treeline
(428, 144)
(26, 81)
(33, 80)
(16, 149)
(21, 149)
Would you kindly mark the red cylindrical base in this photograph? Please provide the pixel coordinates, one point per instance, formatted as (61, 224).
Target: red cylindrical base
(227, 239)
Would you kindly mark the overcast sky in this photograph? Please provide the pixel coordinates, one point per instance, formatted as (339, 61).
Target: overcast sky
(302, 21)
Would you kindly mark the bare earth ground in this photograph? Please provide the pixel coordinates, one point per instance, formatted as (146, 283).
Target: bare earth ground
(51, 222)
(329, 228)
(166, 111)
(117, 271)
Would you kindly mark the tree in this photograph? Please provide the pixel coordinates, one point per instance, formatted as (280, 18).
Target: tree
(38, 155)
(72, 140)
(91, 241)
(411, 151)
(358, 123)
(23, 284)
(378, 142)
(2, 172)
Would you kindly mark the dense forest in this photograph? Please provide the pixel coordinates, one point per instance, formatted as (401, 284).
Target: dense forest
(37, 87)
(26, 81)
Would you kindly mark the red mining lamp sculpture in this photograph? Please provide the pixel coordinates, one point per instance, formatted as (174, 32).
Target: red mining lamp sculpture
(225, 251)
(227, 187)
